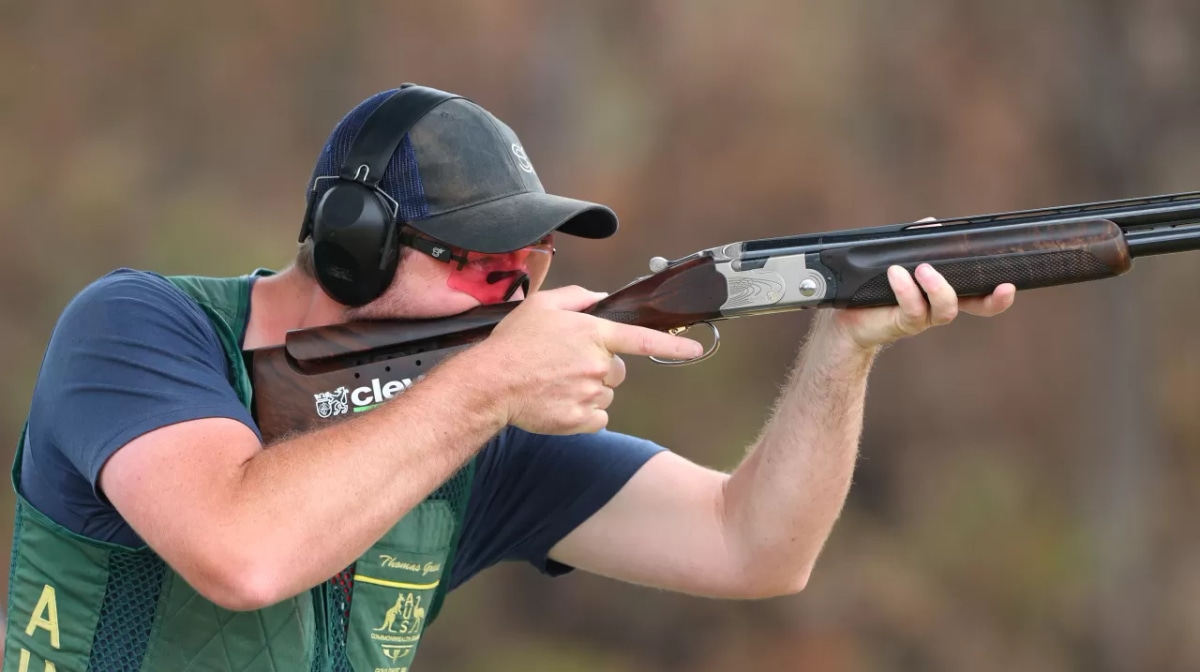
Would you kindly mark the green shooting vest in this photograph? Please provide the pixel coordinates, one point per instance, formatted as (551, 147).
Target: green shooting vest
(79, 605)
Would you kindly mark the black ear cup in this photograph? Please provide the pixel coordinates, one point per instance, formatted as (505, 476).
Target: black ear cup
(354, 248)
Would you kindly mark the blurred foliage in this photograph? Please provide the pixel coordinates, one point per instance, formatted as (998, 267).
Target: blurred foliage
(1022, 500)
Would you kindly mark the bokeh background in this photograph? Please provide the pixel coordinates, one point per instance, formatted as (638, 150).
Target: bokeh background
(1026, 498)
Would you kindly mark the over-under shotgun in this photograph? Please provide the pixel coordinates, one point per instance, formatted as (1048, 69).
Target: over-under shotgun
(328, 373)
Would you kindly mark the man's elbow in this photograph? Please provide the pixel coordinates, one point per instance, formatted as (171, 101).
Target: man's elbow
(763, 585)
(235, 582)
(243, 595)
(789, 584)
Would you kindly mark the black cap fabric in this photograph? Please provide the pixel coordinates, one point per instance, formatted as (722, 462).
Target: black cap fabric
(463, 177)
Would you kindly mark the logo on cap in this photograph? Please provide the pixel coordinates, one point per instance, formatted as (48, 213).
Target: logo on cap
(522, 159)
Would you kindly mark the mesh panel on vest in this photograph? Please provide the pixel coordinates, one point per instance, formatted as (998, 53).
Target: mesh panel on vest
(127, 612)
(455, 492)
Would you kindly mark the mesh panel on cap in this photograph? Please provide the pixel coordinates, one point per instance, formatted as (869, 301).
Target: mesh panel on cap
(401, 180)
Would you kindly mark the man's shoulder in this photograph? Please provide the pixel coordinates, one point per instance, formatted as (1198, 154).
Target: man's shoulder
(133, 281)
(133, 290)
(128, 301)
(125, 284)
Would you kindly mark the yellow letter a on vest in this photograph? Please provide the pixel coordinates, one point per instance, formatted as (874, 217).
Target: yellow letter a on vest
(46, 603)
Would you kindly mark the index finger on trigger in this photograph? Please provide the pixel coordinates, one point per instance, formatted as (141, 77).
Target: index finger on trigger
(633, 340)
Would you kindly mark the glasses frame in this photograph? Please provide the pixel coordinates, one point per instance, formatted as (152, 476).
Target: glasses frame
(446, 253)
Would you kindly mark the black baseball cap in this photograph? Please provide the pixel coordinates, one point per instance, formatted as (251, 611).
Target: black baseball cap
(462, 176)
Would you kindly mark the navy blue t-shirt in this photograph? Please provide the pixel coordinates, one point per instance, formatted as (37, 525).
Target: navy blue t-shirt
(132, 353)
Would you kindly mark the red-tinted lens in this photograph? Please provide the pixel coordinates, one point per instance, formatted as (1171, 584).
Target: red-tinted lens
(490, 277)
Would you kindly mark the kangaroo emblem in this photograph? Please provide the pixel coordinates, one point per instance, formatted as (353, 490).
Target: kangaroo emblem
(389, 617)
(410, 613)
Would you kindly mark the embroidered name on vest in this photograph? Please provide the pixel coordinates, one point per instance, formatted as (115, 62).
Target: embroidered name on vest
(391, 562)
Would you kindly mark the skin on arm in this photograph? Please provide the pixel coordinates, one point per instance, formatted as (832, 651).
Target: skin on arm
(758, 531)
(248, 527)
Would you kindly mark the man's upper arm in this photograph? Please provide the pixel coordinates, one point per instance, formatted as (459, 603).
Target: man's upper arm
(606, 503)
(130, 355)
(531, 490)
(664, 529)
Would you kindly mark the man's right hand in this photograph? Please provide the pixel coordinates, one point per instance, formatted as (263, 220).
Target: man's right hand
(556, 368)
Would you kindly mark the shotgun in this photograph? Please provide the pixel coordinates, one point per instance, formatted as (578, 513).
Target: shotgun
(325, 374)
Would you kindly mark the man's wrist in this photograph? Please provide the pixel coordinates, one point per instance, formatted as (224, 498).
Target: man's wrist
(832, 334)
(474, 383)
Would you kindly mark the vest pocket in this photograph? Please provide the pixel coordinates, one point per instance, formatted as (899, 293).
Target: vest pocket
(394, 585)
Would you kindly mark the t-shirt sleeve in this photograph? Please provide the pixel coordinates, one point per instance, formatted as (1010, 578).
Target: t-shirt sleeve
(532, 490)
(131, 353)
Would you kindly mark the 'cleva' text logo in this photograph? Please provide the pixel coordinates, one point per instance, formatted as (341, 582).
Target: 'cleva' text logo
(344, 400)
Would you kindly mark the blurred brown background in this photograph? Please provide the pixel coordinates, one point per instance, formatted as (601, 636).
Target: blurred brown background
(1025, 497)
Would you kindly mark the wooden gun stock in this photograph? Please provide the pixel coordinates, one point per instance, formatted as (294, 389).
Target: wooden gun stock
(327, 374)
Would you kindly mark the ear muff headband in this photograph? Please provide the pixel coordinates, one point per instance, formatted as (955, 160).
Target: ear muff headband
(353, 225)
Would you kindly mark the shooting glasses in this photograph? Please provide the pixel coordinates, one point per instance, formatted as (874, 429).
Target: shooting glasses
(489, 277)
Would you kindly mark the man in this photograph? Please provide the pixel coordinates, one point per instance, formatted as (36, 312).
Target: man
(155, 531)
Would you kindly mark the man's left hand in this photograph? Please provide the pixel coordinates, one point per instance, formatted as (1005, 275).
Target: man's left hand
(873, 327)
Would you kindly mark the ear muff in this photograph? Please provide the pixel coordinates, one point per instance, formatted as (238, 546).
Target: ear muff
(354, 223)
(354, 243)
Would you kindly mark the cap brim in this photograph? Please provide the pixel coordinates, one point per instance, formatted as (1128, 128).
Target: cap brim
(512, 222)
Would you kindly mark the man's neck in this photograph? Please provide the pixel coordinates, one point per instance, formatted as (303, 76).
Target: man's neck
(286, 301)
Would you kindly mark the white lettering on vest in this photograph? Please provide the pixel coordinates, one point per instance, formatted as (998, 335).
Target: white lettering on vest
(48, 604)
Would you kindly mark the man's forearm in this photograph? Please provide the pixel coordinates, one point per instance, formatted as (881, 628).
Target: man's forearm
(306, 508)
(780, 504)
